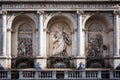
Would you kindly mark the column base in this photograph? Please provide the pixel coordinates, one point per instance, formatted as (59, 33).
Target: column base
(4, 62)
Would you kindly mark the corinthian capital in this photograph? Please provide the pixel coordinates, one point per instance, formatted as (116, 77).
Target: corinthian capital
(3, 12)
(80, 12)
(40, 12)
(117, 13)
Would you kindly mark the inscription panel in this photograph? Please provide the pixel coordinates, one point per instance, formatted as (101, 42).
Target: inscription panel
(59, 6)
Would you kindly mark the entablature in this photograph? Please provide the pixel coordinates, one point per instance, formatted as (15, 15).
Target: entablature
(58, 6)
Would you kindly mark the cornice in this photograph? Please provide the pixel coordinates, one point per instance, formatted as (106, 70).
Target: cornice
(59, 0)
(59, 5)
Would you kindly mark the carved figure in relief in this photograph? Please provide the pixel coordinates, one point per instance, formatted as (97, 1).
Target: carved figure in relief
(95, 45)
(25, 47)
(60, 42)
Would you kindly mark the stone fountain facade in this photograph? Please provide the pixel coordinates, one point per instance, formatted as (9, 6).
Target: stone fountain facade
(59, 34)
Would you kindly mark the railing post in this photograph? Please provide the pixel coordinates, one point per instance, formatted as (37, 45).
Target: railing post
(53, 74)
(9, 75)
(36, 74)
(66, 74)
(99, 76)
(111, 74)
(21, 75)
(84, 74)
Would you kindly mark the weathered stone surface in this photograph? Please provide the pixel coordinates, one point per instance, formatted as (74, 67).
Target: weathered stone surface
(0, 34)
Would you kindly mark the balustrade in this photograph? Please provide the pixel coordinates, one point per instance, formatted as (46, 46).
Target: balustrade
(115, 74)
(68, 74)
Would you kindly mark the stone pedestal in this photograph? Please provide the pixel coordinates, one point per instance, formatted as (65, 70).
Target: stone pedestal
(41, 62)
(116, 61)
(80, 60)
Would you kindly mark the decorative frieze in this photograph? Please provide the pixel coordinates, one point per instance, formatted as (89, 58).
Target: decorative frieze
(58, 6)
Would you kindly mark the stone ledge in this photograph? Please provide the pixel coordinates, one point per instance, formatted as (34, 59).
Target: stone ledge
(59, 0)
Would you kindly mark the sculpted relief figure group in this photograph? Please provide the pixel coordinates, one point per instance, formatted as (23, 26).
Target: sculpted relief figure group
(60, 42)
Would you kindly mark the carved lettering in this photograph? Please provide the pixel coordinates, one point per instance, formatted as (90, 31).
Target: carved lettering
(57, 6)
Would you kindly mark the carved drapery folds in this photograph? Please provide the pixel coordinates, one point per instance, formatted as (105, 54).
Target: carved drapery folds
(25, 40)
(60, 40)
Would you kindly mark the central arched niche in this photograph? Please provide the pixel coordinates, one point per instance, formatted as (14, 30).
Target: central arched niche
(59, 42)
(97, 42)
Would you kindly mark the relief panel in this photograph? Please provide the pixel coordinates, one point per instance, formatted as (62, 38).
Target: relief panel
(60, 40)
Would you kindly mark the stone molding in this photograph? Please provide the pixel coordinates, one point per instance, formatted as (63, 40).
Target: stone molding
(59, 0)
(61, 5)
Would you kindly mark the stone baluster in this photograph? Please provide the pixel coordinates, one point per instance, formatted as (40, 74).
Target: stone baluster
(9, 75)
(99, 75)
(21, 75)
(66, 74)
(111, 74)
(84, 73)
(53, 74)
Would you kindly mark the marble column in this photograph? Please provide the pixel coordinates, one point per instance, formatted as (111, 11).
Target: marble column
(80, 35)
(40, 34)
(80, 40)
(116, 34)
(116, 40)
(1, 33)
(4, 32)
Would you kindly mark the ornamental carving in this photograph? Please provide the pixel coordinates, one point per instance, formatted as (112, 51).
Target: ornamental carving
(60, 40)
(25, 40)
(95, 40)
(95, 45)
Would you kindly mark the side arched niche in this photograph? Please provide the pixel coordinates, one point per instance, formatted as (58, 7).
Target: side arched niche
(23, 39)
(60, 42)
(97, 42)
